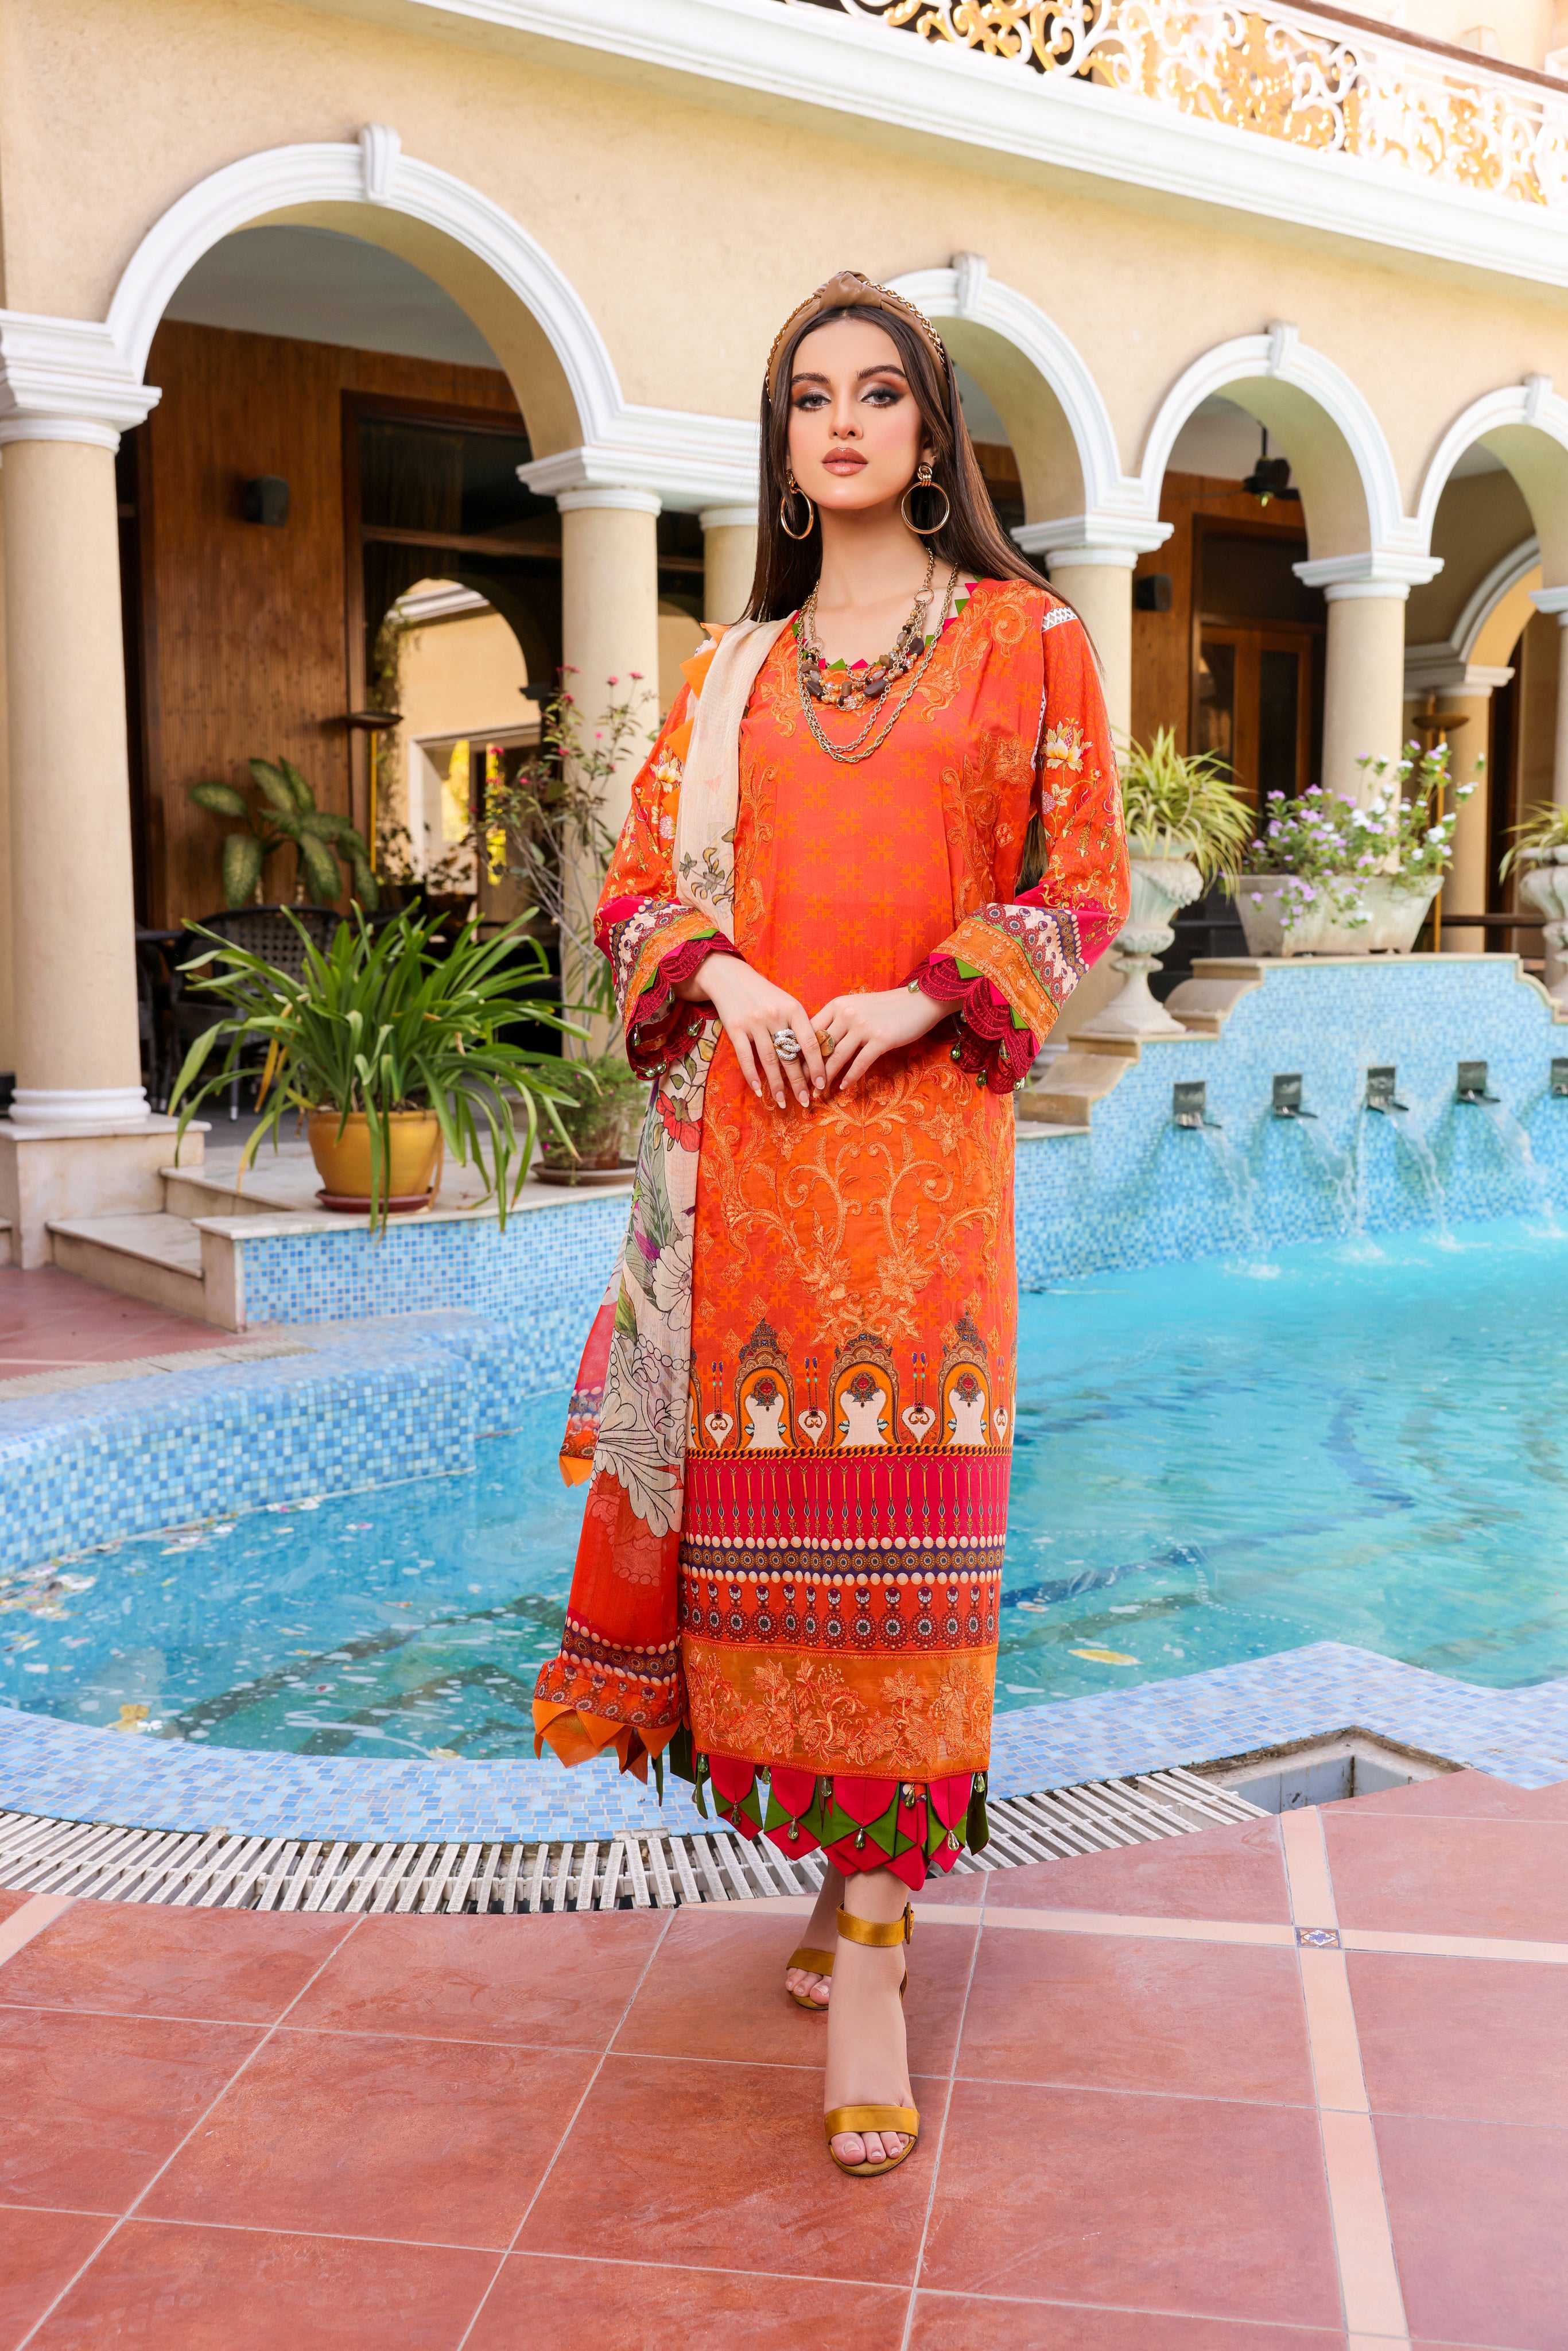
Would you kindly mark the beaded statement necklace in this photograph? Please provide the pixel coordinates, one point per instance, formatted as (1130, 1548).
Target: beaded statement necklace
(852, 689)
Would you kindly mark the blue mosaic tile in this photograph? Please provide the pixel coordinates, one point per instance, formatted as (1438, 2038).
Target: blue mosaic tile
(1138, 1190)
(69, 1773)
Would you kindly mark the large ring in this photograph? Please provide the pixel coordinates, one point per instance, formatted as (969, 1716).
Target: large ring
(786, 1044)
(826, 1041)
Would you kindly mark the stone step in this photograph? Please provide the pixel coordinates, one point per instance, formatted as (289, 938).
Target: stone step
(190, 1192)
(156, 1257)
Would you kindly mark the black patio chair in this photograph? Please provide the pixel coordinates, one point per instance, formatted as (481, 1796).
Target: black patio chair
(263, 931)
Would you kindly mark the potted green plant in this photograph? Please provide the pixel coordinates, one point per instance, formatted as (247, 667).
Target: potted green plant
(1541, 852)
(599, 1100)
(284, 814)
(1327, 875)
(389, 1046)
(1187, 826)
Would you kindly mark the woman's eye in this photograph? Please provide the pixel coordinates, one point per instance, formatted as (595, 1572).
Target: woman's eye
(884, 395)
(806, 401)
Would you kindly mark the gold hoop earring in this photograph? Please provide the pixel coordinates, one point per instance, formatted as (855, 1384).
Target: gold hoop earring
(786, 502)
(923, 481)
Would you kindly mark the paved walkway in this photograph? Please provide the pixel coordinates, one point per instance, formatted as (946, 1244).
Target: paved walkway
(1297, 2086)
(51, 1321)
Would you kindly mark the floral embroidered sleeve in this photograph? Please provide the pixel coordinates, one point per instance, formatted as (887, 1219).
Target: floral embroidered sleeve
(652, 941)
(1008, 967)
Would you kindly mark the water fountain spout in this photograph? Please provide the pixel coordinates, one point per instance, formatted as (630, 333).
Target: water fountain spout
(1382, 1088)
(1189, 1103)
(1558, 1082)
(1288, 1098)
(1471, 1084)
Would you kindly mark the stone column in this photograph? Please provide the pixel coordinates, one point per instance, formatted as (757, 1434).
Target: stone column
(7, 1014)
(610, 648)
(610, 616)
(1464, 891)
(1090, 557)
(73, 920)
(1555, 602)
(1364, 676)
(729, 558)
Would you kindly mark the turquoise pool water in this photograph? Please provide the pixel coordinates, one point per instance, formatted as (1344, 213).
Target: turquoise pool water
(1364, 1443)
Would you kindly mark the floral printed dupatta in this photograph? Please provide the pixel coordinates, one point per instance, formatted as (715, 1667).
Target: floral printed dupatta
(616, 1681)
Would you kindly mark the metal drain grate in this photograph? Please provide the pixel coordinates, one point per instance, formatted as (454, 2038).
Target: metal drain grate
(643, 1871)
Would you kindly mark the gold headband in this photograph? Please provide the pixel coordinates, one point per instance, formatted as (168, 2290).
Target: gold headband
(848, 290)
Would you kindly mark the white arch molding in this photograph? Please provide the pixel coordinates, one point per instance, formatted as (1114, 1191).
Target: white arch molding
(588, 434)
(1525, 425)
(1394, 546)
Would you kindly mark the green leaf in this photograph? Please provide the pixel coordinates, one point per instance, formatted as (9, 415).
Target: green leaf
(222, 800)
(366, 890)
(242, 868)
(304, 798)
(275, 785)
(328, 824)
(320, 867)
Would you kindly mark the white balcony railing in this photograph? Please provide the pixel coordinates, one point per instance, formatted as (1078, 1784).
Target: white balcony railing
(1306, 76)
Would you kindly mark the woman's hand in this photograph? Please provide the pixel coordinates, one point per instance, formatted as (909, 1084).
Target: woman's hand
(863, 1028)
(751, 1008)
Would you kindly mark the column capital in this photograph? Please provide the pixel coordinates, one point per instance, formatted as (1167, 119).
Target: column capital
(1093, 539)
(1553, 601)
(728, 517)
(1379, 571)
(686, 460)
(1441, 669)
(64, 379)
(617, 497)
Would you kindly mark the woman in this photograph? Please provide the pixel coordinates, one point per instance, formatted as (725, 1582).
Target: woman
(876, 846)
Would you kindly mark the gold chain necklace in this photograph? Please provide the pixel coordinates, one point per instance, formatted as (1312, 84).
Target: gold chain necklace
(851, 754)
(848, 689)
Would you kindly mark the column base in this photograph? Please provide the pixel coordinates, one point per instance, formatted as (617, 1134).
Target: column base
(85, 1106)
(70, 1169)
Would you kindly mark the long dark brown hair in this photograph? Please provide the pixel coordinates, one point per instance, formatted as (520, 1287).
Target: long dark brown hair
(972, 537)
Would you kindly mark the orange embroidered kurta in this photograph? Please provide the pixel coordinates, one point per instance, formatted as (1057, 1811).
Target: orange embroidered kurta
(852, 1289)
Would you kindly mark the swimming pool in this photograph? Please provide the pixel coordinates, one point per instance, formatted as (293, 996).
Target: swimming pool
(1214, 1462)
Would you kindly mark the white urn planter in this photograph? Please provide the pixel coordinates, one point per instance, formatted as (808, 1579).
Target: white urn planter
(1544, 884)
(1396, 914)
(1161, 886)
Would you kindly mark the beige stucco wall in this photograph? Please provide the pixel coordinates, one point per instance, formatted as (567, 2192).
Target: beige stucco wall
(156, 98)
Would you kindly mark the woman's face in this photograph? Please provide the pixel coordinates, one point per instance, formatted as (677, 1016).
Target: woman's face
(856, 435)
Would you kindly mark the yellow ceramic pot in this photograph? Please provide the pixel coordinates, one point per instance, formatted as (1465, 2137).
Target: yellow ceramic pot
(343, 1160)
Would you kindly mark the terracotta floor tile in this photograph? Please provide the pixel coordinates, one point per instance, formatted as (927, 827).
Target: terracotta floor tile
(974, 2323)
(1233, 1873)
(968, 1886)
(716, 1990)
(1140, 2202)
(49, 1316)
(1450, 1876)
(1480, 2215)
(1465, 2038)
(554, 1982)
(93, 2104)
(180, 2289)
(633, 2307)
(140, 1958)
(39, 2253)
(10, 1901)
(693, 2163)
(1113, 2013)
(435, 2141)
(1458, 1795)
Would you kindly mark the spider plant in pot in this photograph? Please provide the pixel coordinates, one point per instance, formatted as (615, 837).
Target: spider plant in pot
(390, 1047)
(601, 1098)
(1186, 827)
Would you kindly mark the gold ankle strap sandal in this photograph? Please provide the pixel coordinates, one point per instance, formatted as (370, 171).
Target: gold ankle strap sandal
(861, 2119)
(820, 1963)
(879, 1937)
(906, 2120)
